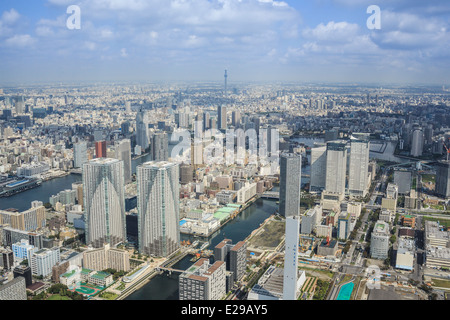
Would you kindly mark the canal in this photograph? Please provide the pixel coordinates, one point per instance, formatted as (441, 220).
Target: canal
(165, 287)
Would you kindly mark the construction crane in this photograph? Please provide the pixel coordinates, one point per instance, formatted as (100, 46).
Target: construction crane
(448, 150)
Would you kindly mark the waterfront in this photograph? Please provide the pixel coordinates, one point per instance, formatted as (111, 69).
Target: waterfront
(22, 201)
(165, 287)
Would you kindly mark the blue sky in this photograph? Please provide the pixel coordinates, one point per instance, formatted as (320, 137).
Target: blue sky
(256, 40)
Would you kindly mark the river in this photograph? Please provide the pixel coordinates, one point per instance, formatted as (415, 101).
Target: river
(165, 287)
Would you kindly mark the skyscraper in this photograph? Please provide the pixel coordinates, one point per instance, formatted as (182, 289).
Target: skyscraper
(222, 118)
(443, 179)
(417, 142)
(142, 139)
(100, 149)
(123, 153)
(336, 167)
(104, 201)
(290, 183)
(236, 118)
(160, 147)
(158, 208)
(318, 168)
(79, 154)
(359, 165)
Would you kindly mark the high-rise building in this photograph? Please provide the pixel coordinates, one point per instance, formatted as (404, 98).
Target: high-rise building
(80, 156)
(222, 118)
(358, 176)
(142, 137)
(290, 183)
(123, 153)
(318, 168)
(336, 167)
(100, 149)
(236, 118)
(25, 272)
(160, 147)
(14, 290)
(6, 258)
(417, 142)
(104, 201)
(206, 120)
(379, 242)
(158, 208)
(235, 257)
(443, 179)
(344, 225)
(203, 281)
(23, 249)
(43, 260)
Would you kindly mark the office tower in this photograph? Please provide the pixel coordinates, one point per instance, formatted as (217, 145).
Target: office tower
(443, 179)
(344, 226)
(125, 128)
(14, 290)
(142, 138)
(234, 256)
(20, 105)
(402, 178)
(25, 272)
(290, 183)
(43, 260)
(428, 135)
(336, 167)
(104, 202)
(79, 154)
(379, 241)
(222, 118)
(212, 123)
(226, 83)
(417, 142)
(236, 118)
(206, 120)
(123, 153)
(100, 149)
(127, 106)
(358, 179)
(160, 147)
(308, 222)
(203, 281)
(318, 168)
(158, 208)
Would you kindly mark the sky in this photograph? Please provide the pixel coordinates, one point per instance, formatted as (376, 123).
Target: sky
(324, 41)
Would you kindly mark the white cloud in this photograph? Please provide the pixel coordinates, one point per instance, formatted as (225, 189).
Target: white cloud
(20, 41)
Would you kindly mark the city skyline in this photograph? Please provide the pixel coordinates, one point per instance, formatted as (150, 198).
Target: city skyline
(317, 41)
